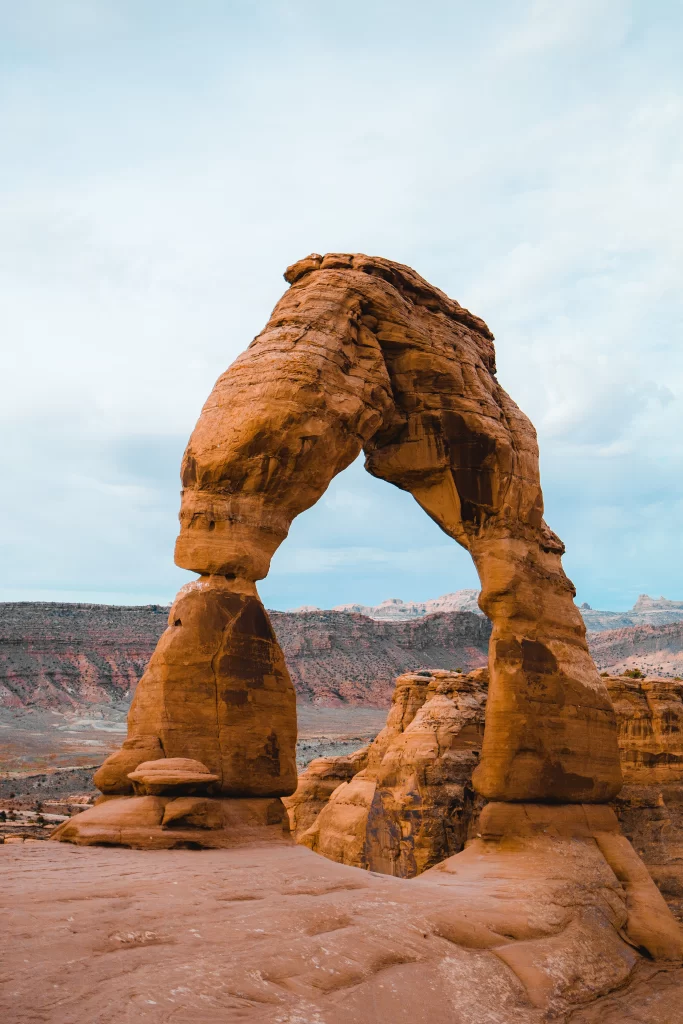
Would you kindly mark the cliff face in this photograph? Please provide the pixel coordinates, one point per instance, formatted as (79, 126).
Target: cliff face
(344, 658)
(65, 656)
(656, 650)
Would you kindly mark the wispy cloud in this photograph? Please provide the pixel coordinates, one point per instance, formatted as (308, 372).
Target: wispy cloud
(163, 169)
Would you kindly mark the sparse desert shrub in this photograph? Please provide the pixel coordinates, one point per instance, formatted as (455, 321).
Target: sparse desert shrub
(633, 673)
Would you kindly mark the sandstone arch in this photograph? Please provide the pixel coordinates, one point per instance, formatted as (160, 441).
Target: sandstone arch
(362, 354)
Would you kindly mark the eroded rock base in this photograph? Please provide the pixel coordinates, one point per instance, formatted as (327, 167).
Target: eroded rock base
(170, 822)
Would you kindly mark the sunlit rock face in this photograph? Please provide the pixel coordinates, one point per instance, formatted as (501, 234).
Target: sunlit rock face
(412, 805)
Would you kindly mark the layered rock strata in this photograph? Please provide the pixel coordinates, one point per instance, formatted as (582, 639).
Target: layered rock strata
(217, 690)
(412, 805)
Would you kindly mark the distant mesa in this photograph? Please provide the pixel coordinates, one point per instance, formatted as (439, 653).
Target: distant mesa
(647, 611)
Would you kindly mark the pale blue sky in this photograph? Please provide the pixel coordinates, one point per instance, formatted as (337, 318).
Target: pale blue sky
(163, 163)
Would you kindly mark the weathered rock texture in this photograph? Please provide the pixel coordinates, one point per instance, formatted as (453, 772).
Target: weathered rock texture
(216, 690)
(415, 806)
(69, 657)
(655, 650)
(339, 658)
(650, 805)
(412, 805)
(363, 354)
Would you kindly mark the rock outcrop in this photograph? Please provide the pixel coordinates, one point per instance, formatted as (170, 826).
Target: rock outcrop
(216, 690)
(363, 354)
(655, 650)
(415, 807)
(395, 610)
(650, 804)
(69, 657)
(412, 805)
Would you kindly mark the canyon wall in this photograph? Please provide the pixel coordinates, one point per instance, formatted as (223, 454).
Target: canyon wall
(63, 656)
(66, 656)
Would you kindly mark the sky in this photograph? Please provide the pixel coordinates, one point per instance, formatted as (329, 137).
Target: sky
(164, 162)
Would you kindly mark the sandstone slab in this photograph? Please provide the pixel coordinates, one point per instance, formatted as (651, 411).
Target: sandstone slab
(271, 933)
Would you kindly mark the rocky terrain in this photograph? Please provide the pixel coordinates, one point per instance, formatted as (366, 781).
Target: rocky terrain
(72, 655)
(273, 934)
(546, 911)
(655, 650)
(405, 803)
(395, 610)
(647, 611)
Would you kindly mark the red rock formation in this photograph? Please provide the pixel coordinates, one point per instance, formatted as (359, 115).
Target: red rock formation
(412, 804)
(414, 807)
(217, 690)
(343, 658)
(65, 657)
(362, 353)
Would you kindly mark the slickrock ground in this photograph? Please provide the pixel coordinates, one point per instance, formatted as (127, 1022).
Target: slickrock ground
(276, 935)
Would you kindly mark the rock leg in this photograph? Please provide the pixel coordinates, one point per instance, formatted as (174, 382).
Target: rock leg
(216, 690)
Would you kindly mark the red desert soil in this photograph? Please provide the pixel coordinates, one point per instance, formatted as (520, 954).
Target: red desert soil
(269, 934)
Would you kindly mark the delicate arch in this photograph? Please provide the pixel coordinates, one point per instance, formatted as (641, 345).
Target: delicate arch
(363, 354)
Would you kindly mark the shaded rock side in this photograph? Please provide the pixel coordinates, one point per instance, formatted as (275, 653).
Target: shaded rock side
(216, 690)
(413, 804)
